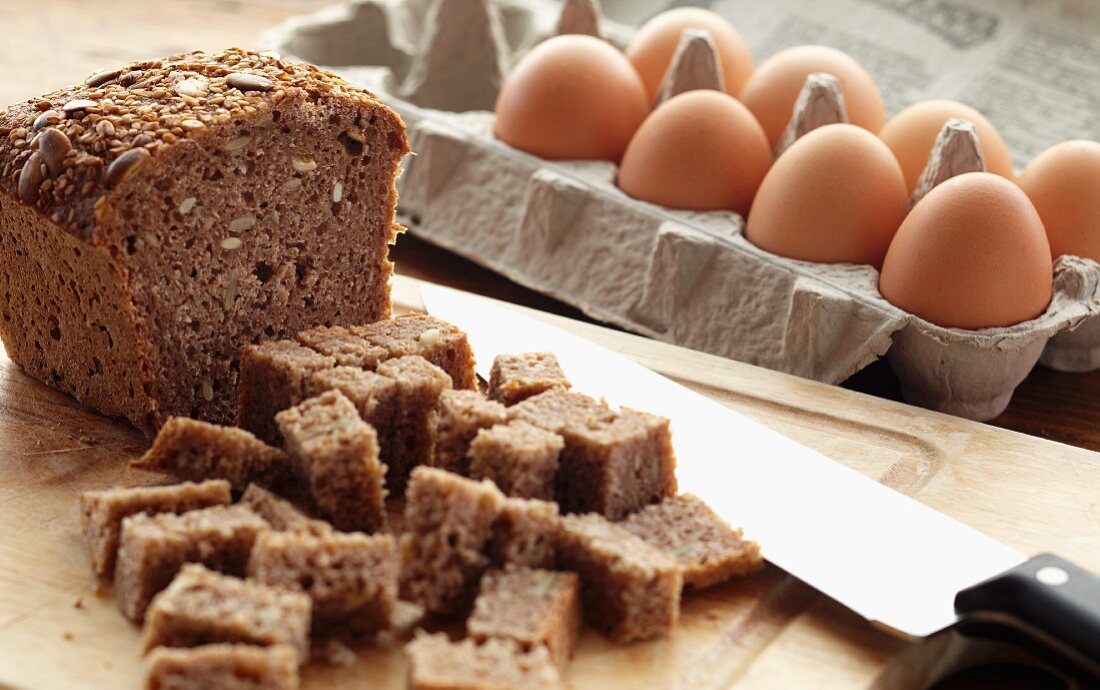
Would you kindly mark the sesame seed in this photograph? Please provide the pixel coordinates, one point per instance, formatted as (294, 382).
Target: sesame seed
(231, 243)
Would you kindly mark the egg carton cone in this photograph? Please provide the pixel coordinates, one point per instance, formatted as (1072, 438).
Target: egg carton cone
(695, 66)
(819, 103)
(957, 150)
(690, 278)
(579, 17)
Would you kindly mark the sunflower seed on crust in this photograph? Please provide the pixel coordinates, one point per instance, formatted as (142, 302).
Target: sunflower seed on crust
(245, 81)
(53, 146)
(30, 179)
(121, 167)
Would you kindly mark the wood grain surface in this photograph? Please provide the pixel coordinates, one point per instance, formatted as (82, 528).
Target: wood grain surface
(60, 630)
(51, 43)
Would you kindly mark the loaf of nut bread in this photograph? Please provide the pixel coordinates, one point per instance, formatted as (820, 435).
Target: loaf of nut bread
(158, 217)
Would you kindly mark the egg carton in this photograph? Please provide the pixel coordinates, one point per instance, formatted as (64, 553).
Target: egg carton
(689, 278)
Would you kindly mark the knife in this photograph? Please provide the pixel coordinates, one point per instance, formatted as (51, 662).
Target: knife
(898, 563)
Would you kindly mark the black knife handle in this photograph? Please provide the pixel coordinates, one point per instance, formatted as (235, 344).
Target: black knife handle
(1053, 603)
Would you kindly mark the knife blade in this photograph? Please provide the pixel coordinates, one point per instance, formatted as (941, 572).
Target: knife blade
(886, 556)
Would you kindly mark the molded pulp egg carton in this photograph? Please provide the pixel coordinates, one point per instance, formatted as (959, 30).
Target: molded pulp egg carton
(689, 278)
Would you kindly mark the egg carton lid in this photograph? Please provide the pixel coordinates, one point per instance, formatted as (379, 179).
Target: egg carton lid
(691, 278)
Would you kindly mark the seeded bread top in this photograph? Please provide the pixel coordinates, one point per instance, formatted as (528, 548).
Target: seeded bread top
(63, 152)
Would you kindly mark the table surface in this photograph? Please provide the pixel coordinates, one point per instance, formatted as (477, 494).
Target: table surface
(52, 43)
(754, 633)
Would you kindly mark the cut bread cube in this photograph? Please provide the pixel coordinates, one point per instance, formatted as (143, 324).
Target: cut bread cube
(102, 513)
(436, 663)
(520, 458)
(448, 525)
(222, 667)
(345, 347)
(630, 590)
(616, 466)
(190, 449)
(419, 385)
(531, 607)
(525, 534)
(705, 547)
(377, 400)
(456, 420)
(374, 395)
(613, 463)
(201, 606)
(336, 454)
(555, 408)
(516, 377)
(154, 548)
(274, 376)
(351, 578)
(281, 514)
(435, 340)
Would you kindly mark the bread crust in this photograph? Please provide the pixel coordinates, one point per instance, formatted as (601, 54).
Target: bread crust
(181, 99)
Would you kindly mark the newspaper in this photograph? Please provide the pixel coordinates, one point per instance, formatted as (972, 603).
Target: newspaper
(1032, 67)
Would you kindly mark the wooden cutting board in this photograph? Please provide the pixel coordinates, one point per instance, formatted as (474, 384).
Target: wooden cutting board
(766, 631)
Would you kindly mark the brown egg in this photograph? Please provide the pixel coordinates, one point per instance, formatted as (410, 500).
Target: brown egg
(773, 88)
(835, 196)
(652, 48)
(571, 97)
(1064, 184)
(971, 254)
(912, 133)
(700, 150)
